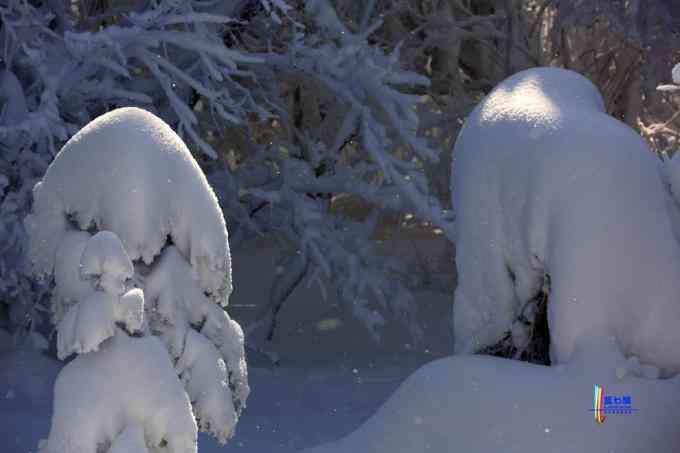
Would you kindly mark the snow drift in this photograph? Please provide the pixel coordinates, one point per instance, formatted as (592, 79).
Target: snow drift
(481, 404)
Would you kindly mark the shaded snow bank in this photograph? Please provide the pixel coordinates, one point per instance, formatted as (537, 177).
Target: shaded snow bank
(483, 404)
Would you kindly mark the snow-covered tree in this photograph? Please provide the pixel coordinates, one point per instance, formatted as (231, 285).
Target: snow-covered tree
(125, 221)
(258, 89)
(539, 143)
(62, 66)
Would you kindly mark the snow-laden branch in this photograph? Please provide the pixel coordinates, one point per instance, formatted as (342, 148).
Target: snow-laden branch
(383, 116)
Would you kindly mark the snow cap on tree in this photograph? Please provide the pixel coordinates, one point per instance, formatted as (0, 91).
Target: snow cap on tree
(136, 178)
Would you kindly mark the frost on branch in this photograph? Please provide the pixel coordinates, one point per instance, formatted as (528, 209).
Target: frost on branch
(130, 310)
(129, 178)
(349, 125)
(202, 67)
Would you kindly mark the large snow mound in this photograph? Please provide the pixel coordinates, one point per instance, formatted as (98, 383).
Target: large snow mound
(128, 172)
(545, 182)
(491, 405)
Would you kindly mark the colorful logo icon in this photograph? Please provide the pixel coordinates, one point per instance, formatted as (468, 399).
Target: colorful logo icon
(609, 404)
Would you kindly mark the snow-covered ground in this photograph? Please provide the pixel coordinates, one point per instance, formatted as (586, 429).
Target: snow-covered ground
(308, 400)
(331, 377)
(482, 404)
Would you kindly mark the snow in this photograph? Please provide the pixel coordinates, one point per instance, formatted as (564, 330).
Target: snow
(487, 404)
(544, 182)
(129, 381)
(137, 179)
(95, 308)
(205, 376)
(69, 286)
(86, 325)
(157, 265)
(131, 440)
(91, 319)
(130, 310)
(675, 74)
(329, 380)
(105, 258)
(568, 191)
(176, 299)
(173, 290)
(316, 398)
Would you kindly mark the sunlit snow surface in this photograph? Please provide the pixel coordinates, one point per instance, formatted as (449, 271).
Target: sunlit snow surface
(544, 181)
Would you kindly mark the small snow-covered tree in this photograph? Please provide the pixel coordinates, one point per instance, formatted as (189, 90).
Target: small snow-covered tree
(125, 221)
